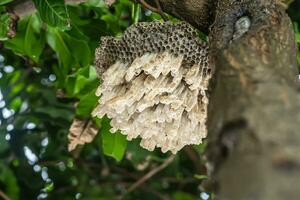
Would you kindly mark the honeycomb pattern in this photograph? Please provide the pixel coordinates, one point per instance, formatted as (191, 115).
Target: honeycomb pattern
(152, 37)
(154, 84)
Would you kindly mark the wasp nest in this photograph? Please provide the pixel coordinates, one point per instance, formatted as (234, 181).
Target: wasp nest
(154, 84)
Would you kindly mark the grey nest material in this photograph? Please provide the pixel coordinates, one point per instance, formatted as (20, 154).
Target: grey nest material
(154, 84)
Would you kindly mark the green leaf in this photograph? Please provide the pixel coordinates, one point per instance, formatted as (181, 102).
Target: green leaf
(3, 2)
(16, 103)
(8, 179)
(54, 113)
(182, 195)
(113, 144)
(86, 104)
(80, 50)
(71, 52)
(115, 21)
(49, 187)
(298, 37)
(200, 177)
(29, 41)
(56, 41)
(80, 83)
(79, 80)
(5, 21)
(54, 13)
(95, 3)
(3, 143)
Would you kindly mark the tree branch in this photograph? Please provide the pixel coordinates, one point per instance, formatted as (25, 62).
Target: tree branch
(199, 13)
(4, 196)
(153, 9)
(150, 174)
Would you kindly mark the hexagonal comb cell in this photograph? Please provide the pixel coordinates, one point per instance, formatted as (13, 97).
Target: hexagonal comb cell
(154, 84)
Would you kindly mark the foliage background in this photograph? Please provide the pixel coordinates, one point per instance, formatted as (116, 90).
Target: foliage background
(46, 80)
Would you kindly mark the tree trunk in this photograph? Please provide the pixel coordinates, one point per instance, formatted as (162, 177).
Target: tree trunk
(254, 117)
(254, 113)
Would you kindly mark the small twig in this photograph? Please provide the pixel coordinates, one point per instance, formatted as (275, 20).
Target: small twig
(148, 6)
(149, 175)
(153, 9)
(125, 172)
(165, 18)
(4, 196)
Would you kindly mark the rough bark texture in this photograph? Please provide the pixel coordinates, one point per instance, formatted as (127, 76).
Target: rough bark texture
(198, 13)
(254, 118)
(254, 139)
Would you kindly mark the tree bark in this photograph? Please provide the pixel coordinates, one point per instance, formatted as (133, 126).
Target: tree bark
(254, 112)
(199, 13)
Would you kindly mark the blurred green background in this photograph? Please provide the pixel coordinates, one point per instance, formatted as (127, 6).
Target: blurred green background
(46, 80)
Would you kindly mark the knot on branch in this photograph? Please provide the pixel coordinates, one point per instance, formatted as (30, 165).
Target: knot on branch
(242, 25)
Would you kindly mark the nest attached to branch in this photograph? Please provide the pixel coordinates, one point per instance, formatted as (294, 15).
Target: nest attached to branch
(154, 84)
